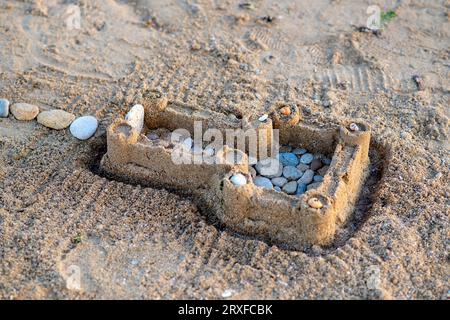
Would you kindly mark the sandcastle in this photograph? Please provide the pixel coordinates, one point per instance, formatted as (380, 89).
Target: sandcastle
(295, 221)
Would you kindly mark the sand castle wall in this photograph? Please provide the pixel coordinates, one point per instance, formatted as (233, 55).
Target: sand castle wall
(248, 209)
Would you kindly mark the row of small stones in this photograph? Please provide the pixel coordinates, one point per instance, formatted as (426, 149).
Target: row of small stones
(298, 171)
(81, 128)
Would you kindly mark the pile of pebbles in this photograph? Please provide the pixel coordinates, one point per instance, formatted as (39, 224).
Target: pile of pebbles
(294, 171)
(162, 137)
(81, 128)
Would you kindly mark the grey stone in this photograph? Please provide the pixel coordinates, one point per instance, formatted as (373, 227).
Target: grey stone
(307, 158)
(4, 108)
(263, 182)
(252, 171)
(301, 189)
(317, 178)
(279, 181)
(307, 177)
(291, 173)
(316, 164)
(269, 168)
(313, 185)
(302, 167)
(290, 187)
(322, 171)
(299, 151)
(288, 159)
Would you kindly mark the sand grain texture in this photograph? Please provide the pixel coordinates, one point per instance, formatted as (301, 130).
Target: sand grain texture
(131, 242)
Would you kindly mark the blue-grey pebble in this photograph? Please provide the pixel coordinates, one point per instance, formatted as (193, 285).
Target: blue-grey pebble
(290, 187)
(301, 189)
(318, 178)
(302, 167)
(288, 159)
(299, 151)
(291, 173)
(307, 177)
(313, 185)
(4, 108)
(269, 167)
(307, 158)
(84, 127)
(263, 182)
(279, 181)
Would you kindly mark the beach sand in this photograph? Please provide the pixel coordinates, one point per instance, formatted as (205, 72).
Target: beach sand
(61, 220)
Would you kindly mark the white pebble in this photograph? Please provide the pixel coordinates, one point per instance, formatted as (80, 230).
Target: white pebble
(84, 127)
(263, 118)
(135, 117)
(353, 127)
(313, 185)
(238, 179)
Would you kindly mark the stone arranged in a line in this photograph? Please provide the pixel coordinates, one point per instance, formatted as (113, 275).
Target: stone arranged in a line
(55, 119)
(4, 108)
(82, 128)
(296, 171)
(24, 111)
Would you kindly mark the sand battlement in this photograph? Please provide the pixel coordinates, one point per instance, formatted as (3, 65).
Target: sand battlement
(311, 218)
